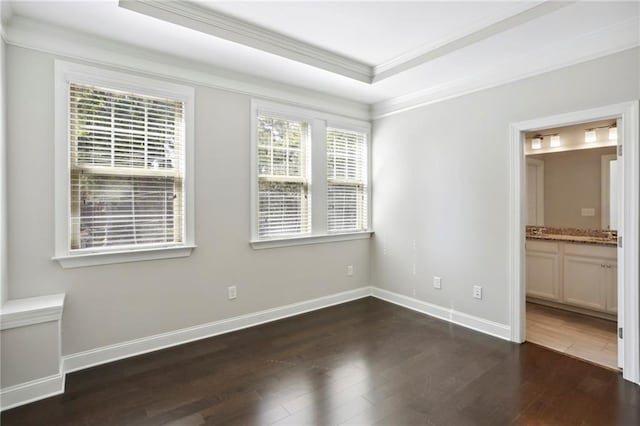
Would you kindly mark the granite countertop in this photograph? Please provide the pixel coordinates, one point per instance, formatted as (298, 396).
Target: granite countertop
(573, 235)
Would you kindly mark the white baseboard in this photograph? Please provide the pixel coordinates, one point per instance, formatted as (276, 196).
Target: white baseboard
(93, 357)
(34, 390)
(495, 329)
(54, 385)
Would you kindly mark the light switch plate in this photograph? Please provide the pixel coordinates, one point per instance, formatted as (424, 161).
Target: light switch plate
(588, 211)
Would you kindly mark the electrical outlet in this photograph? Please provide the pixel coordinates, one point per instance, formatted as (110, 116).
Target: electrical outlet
(437, 282)
(232, 292)
(477, 292)
(350, 270)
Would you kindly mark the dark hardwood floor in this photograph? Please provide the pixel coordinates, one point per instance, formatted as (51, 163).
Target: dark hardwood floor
(361, 363)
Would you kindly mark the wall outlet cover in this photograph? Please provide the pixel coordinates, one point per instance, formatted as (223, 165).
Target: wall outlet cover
(232, 292)
(350, 270)
(477, 292)
(437, 282)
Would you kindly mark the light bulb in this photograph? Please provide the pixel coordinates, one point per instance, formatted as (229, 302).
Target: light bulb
(555, 141)
(536, 143)
(590, 136)
(613, 133)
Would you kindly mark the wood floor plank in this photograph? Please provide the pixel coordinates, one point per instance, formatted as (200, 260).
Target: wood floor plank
(365, 362)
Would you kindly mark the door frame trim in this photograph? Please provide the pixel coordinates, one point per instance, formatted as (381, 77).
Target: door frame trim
(629, 255)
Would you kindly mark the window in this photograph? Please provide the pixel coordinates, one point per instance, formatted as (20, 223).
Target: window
(125, 143)
(347, 178)
(310, 178)
(283, 177)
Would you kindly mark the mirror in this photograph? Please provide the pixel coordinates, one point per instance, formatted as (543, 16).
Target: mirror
(572, 189)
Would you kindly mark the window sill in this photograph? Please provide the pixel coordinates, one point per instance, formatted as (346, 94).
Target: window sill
(309, 239)
(107, 258)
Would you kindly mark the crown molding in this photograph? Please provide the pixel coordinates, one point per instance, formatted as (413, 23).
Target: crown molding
(24, 32)
(190, 15)
(6, 13)
(69, 44)
(426, 54)
(602, 42)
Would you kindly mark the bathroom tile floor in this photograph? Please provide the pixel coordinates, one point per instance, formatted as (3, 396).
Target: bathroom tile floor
(581, 336)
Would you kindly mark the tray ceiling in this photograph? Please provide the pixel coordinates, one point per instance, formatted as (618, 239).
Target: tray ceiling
(391, 55)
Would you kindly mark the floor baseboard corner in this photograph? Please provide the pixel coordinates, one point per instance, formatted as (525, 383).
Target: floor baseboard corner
(35, 390)
(502, 331)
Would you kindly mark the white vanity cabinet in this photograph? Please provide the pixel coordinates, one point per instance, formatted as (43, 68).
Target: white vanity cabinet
(543, 270)
(611, 289)
(579, 275)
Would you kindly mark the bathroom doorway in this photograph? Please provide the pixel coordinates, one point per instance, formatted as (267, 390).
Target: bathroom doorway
(571, 240)
(577, 264)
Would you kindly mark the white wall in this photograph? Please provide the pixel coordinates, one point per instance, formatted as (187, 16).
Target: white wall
(29, 353)
(441, 182)
(115, 303)
(4, 284)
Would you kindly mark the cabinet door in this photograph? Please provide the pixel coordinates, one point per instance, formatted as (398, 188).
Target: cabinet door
(584, 282)
(542, 275)
(611, 288)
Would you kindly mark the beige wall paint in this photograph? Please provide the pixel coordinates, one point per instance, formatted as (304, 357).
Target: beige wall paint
(441, 182)
(571, 182)
(116, 303)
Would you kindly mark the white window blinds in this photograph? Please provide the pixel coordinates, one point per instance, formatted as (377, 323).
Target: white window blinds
(283, 177)
(126, 168)
(347, 178)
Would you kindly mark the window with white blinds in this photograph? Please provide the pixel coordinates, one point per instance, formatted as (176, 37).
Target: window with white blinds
(283, 177)
(347, 178)
(126, 169)
(310, 179)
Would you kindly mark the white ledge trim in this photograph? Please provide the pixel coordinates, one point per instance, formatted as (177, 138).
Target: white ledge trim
(309, 239)
(31, 310)
(123, 256)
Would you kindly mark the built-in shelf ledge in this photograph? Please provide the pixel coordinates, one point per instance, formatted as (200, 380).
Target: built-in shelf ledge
(31, 310)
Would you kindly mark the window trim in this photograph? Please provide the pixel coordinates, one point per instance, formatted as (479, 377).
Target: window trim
(318, 184)
(66, 72)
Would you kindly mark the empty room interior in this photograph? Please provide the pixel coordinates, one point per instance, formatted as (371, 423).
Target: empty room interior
(319, 213)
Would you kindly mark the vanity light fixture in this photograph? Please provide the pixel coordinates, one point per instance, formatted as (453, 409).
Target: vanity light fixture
(536, 142)
(590, 135)
(613, 133)
(554, 141)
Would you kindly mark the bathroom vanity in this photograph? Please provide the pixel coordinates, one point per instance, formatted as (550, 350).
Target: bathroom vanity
(573, 272)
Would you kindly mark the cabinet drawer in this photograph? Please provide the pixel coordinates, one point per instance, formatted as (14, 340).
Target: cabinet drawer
(602, 252)
(542, 246)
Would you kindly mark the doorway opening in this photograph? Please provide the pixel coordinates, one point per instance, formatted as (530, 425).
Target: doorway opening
(571, 240)
(625, 212)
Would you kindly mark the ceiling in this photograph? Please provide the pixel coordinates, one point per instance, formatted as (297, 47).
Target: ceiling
(391, 55)
(372, 33)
